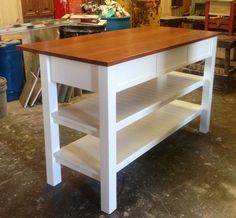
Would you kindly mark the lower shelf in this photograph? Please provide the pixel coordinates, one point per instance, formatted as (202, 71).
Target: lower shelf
(83, 155)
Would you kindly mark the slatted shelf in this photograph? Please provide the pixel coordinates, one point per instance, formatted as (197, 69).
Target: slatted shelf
(132, 104)
(83, 155)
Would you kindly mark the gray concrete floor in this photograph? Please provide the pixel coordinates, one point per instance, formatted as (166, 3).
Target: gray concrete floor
(188, 175)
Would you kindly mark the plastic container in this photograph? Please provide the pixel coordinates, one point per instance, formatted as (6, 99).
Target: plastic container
(3, 97)
(11, 67)
(117, 23)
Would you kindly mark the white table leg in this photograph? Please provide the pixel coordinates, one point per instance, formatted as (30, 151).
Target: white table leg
(207, 89)
(51, 129)
(107, 107)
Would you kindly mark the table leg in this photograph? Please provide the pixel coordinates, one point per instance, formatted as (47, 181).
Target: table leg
(209, 69)
(51, 129)
(107, 108)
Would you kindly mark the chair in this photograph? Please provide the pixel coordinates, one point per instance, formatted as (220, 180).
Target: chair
(220, 15)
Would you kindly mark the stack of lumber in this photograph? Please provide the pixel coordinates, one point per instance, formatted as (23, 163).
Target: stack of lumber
(32, 91)
(65, 93)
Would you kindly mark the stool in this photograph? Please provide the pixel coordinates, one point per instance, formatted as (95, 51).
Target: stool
(228, 43)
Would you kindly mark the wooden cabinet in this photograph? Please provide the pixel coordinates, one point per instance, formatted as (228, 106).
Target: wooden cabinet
(37, 8)
(29, 8)
(46, 7)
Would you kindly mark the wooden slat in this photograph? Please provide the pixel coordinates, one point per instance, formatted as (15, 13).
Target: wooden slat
(28, 89)
(69, 93)
(62, 93)
(36, 92)
(109, 48)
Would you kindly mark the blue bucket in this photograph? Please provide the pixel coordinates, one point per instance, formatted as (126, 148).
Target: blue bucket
(117, 23)
(11, 67)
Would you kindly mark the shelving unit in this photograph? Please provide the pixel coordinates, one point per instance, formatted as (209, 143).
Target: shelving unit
(136, 104)
(132, 104)
(83, 154)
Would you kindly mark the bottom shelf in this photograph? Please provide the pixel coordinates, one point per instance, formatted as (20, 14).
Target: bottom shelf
(83, 155)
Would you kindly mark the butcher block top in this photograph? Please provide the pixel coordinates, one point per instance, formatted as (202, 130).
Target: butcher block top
(110, 48)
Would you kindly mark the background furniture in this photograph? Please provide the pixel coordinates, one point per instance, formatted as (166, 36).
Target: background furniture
(171, 21)
(194, 22)
(197, 7)
(220, 15)
(180, 7)
(136, 105)
(37, 8)
(228, 43)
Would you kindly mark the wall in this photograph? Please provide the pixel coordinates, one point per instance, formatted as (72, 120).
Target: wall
(165, 8)
(10, 12)
(186, 7)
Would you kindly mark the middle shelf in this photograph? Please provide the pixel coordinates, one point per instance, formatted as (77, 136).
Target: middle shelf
(132, 104)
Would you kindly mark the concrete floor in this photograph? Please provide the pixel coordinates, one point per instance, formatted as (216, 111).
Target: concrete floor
(188, 175)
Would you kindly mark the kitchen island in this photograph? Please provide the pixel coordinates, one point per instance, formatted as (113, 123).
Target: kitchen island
(136, 104)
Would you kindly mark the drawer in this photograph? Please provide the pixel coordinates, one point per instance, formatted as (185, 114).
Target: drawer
(199, 50)
(171, 60)
(78, 74)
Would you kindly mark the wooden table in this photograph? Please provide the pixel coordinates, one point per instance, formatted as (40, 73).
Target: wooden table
(196, 22)
(136, 105)
(171, 21)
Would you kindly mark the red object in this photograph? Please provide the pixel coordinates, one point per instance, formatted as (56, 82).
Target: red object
(60, 9)
(74, 6)
(220, 23)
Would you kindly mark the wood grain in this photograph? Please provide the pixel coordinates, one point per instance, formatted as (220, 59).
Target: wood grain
(109, 48)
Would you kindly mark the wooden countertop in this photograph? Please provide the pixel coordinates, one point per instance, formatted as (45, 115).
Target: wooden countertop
(109, 48)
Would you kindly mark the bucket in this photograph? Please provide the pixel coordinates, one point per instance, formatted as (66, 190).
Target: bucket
(117, 23)
(3, 97)
(11, 67)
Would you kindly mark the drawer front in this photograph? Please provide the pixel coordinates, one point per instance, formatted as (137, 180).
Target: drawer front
(199, 50)
(134, 72)
(78, 74)
(172, 59)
